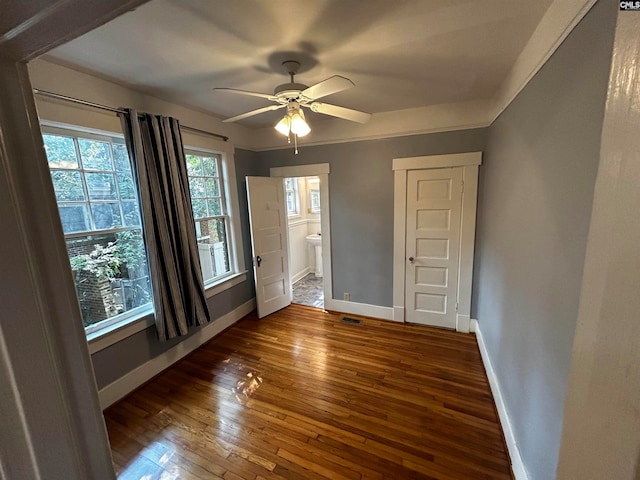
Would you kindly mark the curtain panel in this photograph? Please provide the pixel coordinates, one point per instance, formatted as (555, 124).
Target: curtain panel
(155, 147)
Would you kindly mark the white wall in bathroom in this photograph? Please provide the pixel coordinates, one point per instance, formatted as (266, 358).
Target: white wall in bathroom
(301, 255)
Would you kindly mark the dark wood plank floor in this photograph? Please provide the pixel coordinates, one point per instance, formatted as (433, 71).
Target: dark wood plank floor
(300, 395)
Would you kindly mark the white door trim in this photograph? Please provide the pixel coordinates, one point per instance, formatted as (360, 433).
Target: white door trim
(320, 170)
(470, 163)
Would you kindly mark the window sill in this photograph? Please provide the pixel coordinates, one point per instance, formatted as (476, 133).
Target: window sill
(112, 334)
(295, 223)
(106, 337)
(214, 288)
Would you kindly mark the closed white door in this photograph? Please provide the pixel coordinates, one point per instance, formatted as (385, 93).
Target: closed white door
(434, 202)
(268, 221)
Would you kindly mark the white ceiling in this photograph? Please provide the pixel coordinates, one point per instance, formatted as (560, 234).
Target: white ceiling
(399, 53)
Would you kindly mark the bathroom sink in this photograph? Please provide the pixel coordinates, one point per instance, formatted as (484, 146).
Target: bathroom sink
(314, 239)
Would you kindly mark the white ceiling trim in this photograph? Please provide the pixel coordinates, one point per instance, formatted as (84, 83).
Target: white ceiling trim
(556, 24)
(399, 123)
(559, 20)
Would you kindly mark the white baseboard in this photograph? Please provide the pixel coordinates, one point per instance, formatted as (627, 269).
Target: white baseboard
(398, 314)
(519, 470)
(132, 380)
(473, 325)
(364, 309)
(463, 323)
(300, 275)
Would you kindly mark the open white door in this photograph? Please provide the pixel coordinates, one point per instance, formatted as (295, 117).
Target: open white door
(268, 220)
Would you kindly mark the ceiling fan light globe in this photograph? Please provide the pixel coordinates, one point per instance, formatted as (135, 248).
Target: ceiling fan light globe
(301, 130)
(284, 126)
(299, 126)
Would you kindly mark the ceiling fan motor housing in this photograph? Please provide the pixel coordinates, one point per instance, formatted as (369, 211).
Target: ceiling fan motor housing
(289, 91)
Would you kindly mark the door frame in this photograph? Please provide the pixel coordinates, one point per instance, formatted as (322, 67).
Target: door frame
(320, 170)
(469, 163)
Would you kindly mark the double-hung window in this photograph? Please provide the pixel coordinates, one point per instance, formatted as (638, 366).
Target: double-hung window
(219, 255)
(100, 213)
(292, 196)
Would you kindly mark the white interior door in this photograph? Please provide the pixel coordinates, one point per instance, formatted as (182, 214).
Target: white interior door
(268, 220)
(434, 199)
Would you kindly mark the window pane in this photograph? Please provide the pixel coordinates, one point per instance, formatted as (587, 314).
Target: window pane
(210, 168)
(291, 202)
(126, 186)
(194, 165)
(75, 218)
(106, 215)
(288, 183)
(68, 185)
(196, 186)
(199, 207)
(95, 155)
(131, 214)
(110, 273)
(61, 151)
(315, 200)
(213, 187)
(212, 247)
(101, 186)
(121, 157)
(214, 207)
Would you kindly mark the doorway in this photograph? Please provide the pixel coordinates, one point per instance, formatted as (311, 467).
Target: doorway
(309, 233)
(434, 230)
(302, 197)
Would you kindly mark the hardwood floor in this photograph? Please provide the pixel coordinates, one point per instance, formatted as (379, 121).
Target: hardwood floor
(300, 395)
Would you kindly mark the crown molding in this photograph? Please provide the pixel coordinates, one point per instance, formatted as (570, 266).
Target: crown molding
(557, 23)
(398, 123)
(559, 20)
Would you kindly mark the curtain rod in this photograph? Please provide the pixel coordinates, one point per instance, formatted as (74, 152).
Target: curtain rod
(58, 96)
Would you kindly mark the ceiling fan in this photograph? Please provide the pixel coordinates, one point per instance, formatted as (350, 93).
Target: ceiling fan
(293, 96)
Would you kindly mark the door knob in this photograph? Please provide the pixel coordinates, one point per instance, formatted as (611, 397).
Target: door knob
(411, 259)
(259, 260)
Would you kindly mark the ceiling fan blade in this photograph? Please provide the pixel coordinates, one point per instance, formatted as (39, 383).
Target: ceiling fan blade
(253, 112)
(246, 92)
(340, 112)
(331, 85)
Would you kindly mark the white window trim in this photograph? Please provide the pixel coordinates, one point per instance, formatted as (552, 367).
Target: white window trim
(238, 272)
(296, 192)
(212, 289)
(107, 336)
(109, 331)
(130, 326)
(136, 321)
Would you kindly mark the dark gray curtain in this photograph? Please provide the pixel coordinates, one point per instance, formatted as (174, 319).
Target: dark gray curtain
(155, 145)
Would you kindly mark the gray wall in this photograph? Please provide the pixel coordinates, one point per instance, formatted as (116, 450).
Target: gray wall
(536, 190)
(121, 358)
(361, 197)
(361, 202)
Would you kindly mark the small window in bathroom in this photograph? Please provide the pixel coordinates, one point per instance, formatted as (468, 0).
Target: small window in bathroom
(292, 196)
(314, 200)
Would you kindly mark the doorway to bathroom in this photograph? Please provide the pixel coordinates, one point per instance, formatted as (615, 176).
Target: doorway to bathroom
(307, 202)
(302, 198)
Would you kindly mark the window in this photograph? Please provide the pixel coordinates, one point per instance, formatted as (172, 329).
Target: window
(211, 214)
(314, 200)
(100, 213)
(292, 196)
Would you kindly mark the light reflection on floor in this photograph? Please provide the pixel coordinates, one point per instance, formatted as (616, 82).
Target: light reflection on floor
(246, 387)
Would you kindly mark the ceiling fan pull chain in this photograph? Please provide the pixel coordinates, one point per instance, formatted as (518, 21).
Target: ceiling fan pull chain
(295, 137)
